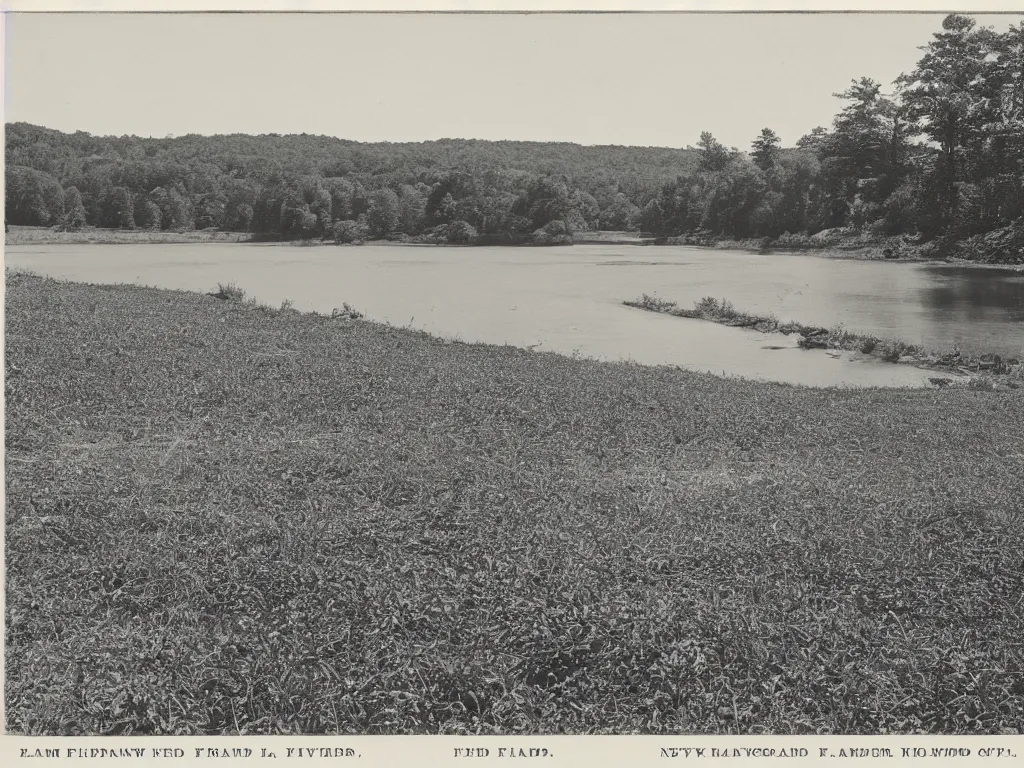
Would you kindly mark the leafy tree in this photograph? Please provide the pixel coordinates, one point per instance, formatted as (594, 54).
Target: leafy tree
(209, 211)
(242, 218)
(32, 197)
(383, 217)
(296, 218)
(548, 199)
(74, 211)
(175, 208)
(267, 208)
(794, 184)
(360, 200)
(349, 231)
(460, 232)
(621, 214)
(446, 209)
(309, 224)
(555, 232)
(440, 206)
(94, 182)
(586, 204)
(412, 209)
(148, 215)
(316, 199)
(944, 96)
(342, 192)
(238, 197)
(651, 217)
(118, 209)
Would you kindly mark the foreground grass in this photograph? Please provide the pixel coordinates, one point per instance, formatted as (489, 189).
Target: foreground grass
(225, 518)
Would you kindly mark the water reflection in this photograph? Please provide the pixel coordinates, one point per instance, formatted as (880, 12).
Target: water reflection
(973, 294)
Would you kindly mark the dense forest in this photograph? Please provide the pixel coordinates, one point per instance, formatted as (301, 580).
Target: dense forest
(938, 162)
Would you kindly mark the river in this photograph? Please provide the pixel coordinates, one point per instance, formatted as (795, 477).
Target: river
(568, 299)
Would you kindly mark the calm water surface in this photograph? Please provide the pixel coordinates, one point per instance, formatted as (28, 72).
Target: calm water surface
(568, 300)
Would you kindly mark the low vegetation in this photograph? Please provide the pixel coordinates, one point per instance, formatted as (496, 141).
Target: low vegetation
(93, 236)
(221, 519)
(1009, 372)
(228, 292)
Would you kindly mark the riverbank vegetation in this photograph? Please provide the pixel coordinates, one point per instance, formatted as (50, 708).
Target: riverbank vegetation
(993, 370)
(934, 169)
(23, 235)
(225, 518)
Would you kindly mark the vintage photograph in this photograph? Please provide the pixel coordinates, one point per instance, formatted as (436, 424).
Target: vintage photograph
(514, 373)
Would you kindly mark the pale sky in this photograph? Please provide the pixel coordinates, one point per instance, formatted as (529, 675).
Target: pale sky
(644, 79)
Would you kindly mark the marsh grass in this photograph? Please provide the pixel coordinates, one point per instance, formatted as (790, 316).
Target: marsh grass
(708, 308)
(1010, 373)
(223, 520)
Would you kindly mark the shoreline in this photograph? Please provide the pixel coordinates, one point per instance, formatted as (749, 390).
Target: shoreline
(969, 370)
(984, 371)
(841, 250)
(30, 236)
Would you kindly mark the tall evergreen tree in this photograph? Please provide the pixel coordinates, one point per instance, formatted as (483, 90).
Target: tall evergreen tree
(766, 149)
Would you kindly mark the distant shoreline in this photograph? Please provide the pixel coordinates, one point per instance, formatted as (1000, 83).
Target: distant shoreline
(848, 250)
(21, 235)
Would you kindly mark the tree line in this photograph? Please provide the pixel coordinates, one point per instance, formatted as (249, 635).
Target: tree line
(317, 186)
(940, 159)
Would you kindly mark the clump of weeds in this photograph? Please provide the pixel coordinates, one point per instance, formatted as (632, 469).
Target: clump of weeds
(229, 292)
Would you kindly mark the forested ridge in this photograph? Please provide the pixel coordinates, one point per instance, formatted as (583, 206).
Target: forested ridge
(938, 163)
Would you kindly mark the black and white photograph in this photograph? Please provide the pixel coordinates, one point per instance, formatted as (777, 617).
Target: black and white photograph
(514, 374)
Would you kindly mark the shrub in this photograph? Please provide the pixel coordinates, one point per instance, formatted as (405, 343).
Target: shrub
(229, 292)
(790, 241)
(437, 236)
(461, 232)
(348, 231)
(555, 232)
(345, 313)
(892, 351)
(653, 304)
(710, 307)
(867, 346)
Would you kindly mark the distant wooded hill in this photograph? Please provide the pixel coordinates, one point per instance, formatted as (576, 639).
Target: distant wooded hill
(941, 160)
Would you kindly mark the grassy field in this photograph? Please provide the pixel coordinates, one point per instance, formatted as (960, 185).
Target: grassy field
(224, 518)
